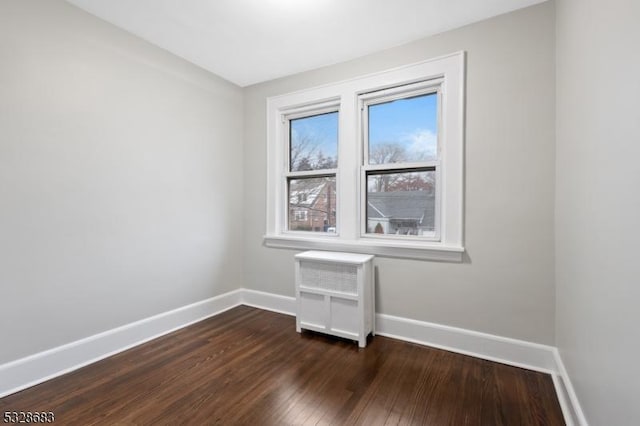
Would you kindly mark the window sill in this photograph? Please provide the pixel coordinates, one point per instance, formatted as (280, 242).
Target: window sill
(397, 249)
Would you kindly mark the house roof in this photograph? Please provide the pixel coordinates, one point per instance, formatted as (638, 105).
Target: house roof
(402, 205)
(307, 195)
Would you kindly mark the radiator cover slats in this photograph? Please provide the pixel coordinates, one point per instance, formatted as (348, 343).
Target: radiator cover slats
(329, 276)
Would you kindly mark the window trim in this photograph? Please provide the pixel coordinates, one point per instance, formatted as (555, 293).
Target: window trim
(347, 94)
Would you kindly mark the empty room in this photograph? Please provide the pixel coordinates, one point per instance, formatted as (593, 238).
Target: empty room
(301, 212)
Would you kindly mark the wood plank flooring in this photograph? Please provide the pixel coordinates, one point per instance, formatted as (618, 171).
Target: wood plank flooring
(249, 367)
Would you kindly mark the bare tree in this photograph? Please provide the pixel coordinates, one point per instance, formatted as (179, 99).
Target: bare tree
(386, 153)
(416, 181)
(307, 155)
(389, 153)
(302, 151)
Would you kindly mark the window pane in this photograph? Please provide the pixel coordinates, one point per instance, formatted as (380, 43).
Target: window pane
(404, 130)
(314, 142)
(401, 203)
(312, 204)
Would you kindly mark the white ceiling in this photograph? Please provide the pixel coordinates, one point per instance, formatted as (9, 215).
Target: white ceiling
(250, 41)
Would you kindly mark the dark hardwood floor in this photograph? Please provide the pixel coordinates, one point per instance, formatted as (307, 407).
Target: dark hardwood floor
(248, 366)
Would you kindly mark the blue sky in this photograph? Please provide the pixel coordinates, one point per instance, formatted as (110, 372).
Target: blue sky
(392, 121)
(322, 129)
(411, 123)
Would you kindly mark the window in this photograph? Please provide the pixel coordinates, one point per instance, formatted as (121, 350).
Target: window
(300, 216)
(401, 161)
(311, 171)
(370, 165)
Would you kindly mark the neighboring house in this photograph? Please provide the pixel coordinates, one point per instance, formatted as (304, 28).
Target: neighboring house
(401, 212)
(312, 207)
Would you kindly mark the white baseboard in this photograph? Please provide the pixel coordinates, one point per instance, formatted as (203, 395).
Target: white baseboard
(31, 370)
(567, 397)
(37, 368)
(269, 301)
(519, 353)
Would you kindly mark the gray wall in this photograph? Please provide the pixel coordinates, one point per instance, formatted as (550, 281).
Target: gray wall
(119, 178)
(598, 205)
(506, 284)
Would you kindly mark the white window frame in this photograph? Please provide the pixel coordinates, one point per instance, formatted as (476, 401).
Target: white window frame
(447, 74)
(301, 216)
(293, 114)
(432, 86)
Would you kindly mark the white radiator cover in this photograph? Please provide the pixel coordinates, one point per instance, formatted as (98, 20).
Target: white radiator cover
(335, 294)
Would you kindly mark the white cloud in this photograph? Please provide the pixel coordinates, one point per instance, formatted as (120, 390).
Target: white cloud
(422, 145)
